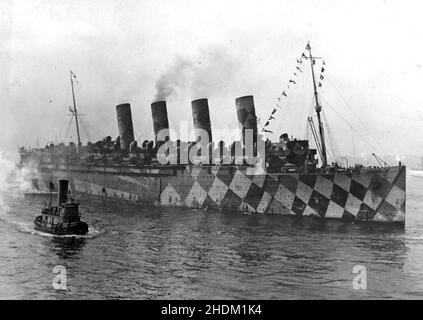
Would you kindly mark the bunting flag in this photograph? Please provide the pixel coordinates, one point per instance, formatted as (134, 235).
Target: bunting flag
(323, 62)
(70, 110)
(291, 80)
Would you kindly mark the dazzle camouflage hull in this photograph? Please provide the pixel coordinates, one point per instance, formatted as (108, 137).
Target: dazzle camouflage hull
(371, 194)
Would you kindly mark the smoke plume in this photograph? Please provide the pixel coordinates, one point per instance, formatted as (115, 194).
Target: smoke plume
(208, 73)
(174, 78)
(12, 181)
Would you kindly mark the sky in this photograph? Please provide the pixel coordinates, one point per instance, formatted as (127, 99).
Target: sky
(220, 50)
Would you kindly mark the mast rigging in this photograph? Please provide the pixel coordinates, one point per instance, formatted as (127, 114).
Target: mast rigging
(318, 109)
(75, 112)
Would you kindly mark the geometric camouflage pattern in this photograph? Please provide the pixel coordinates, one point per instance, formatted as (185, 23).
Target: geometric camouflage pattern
(369, 195)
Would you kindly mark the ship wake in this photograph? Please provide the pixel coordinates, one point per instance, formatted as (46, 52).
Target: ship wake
(27, 227)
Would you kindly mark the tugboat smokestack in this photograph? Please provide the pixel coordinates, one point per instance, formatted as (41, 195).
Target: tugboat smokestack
(160, 119)
(126, 130)
(63, 191)
(246, 115)
(201, 117)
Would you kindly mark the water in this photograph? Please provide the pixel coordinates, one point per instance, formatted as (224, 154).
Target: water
(157, 253)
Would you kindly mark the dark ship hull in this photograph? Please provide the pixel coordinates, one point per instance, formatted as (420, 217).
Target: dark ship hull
(368, 194)
(79, 228)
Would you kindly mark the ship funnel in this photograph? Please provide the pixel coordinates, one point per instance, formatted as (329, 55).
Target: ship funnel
(63, 191)
(126, 130)
(246, 115)
(160, 120)
(201, 117)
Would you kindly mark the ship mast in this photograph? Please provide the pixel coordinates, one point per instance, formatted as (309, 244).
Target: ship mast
(75, 112)
(318, 108)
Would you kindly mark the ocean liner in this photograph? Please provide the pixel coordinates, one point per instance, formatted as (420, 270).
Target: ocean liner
(291, 181)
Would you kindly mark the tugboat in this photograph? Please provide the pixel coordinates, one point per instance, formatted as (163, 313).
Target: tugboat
(63, 219)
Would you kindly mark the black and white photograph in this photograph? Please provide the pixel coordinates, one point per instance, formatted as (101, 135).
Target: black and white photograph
(219, 150)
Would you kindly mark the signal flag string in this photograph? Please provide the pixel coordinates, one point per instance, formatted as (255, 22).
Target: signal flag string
(292, 81)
